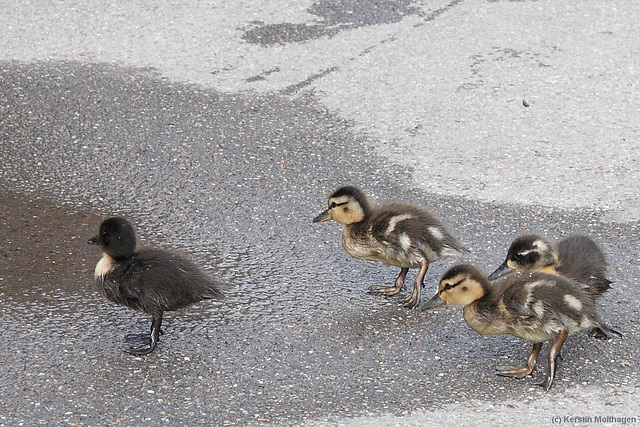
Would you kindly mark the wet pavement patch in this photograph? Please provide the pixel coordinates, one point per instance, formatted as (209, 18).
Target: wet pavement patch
(234, 180)
(43, 257)
(333, 17)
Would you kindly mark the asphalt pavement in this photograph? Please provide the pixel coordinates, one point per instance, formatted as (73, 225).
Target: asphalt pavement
(221, 128)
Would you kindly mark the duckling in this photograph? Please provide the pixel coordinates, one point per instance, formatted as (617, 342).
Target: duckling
(536, 307)
(576, 257)
(395, 234)
(149, 279)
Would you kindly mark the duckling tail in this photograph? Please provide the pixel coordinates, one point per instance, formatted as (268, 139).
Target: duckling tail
(604, 333)
(213, 290)
(600, 286)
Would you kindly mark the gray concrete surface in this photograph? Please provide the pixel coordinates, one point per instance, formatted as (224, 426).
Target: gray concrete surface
(441, 79)
(220, 128)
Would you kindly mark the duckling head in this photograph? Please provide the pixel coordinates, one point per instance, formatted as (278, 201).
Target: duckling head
(117, 238)
(347, 205)
(462, 284)
(528, 253)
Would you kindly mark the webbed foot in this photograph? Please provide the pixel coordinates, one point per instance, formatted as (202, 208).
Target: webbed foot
(142, 350)
(414, 299)
(411, 301)
(390, 290)
(384, 290)
(546, 383)
(142, 344)
(138, 340)
(514, 371)
(521, 372)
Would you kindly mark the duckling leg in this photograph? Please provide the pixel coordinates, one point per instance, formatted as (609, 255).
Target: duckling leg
(391, 290)
(515, 372)
(414, 299)
(554, 352)
(145, 344)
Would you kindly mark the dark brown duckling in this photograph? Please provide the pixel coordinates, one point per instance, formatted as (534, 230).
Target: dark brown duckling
(396, 234)
(149, 279)
(576, 257)
(536, 307)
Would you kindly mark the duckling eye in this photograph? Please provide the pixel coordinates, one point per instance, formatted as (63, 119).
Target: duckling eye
(448, 286)
(333, 205)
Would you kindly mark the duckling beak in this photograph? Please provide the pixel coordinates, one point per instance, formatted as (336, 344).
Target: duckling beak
(93, 240)
(434, 302)
(324, 216)
(500, 271)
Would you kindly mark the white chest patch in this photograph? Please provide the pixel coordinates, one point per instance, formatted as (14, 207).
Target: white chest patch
(104, 266)
(357, 248)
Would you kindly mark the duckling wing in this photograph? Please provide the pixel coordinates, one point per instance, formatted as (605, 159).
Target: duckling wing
(539, 295)
(518, 301)
(121, 286)
(411, 228)
(168, 281)
(130, 292)
(548, 304)
(527, 316)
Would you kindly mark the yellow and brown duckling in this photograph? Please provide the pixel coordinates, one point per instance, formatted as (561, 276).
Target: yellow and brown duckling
(394, 234)
(536, 307)
(577, 257)
(149, 279)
